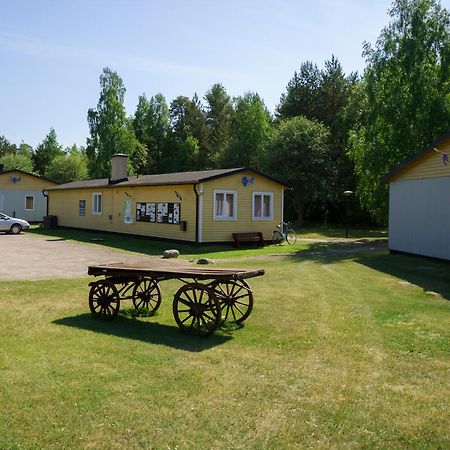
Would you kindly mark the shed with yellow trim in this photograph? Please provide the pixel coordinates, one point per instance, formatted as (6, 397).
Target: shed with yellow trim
(419, 202)
(21, 195)
(201, 206)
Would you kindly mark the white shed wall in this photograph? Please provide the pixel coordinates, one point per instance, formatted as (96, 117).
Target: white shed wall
(12, 203)
(419, 217)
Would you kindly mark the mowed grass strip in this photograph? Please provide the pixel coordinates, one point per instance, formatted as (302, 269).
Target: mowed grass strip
(155, 247)
(345, 351)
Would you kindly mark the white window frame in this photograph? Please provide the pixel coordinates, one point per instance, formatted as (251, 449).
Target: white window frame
(225, 218)
(28, 196)
(262, 194)
(94, 211)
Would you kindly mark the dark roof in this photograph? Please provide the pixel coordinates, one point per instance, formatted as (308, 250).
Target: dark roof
(415, 157)
(28, 173)
(164, 179)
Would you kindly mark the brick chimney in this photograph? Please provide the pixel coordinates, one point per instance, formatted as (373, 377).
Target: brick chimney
(119, 163)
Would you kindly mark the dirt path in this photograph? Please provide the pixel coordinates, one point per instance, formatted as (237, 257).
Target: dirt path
(26, 257)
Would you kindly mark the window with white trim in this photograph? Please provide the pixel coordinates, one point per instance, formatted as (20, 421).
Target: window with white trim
(97, 203)
(262, 206)
(29, 203)
(225, 205)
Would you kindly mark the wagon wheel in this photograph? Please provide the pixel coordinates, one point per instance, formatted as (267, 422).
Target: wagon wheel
(236, 299)
(104, 299)
(196, 309)
(146, 295)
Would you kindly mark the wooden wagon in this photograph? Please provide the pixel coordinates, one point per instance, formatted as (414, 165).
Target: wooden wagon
(208, 295)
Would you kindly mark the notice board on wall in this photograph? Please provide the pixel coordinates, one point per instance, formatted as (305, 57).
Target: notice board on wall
(168, 213)
(158, 212)
(145, 212)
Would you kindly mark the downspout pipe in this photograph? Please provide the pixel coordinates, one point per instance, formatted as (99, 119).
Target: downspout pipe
(197, 200)
(45, 194)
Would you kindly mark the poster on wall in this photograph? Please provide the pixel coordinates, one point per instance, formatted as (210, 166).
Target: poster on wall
(168, 213)
(127, 212)
(145, 211)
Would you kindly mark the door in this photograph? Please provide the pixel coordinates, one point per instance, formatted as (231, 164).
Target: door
(4, 222)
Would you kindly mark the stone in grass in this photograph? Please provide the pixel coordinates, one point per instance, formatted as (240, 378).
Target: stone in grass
(205, 261)
(171, 254)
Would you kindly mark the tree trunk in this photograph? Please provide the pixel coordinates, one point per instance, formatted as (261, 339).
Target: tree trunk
(300, 212)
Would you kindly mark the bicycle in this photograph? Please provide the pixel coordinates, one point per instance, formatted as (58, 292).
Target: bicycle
(283, 233)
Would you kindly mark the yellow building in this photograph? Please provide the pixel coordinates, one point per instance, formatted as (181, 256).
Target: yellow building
(21, 195)
(419, 194)
(202, 206)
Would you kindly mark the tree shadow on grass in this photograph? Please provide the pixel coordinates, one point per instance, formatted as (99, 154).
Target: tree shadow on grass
(138, 244)
(431, 275)
(331, 252)
(150, 332)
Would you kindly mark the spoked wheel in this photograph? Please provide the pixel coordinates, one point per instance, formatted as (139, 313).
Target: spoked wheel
(291, 237)
(277, 238)
(146, 295)
(104, 299)
(236, 299)
(196, 309)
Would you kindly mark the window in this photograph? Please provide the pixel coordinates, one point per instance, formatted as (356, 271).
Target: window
(127, 212)
(262, 206)
(82, 208)
(29, 203)
(225, 205)
(97, 203)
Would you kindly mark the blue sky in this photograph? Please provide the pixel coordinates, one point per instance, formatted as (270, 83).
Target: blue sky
(53, 52)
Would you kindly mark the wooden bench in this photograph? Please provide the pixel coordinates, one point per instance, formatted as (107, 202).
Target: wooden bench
(249, 236)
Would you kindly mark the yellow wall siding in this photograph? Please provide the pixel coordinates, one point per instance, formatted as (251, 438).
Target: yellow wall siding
(218, 231)
(25, 182)
(430, 165)
(65, 205)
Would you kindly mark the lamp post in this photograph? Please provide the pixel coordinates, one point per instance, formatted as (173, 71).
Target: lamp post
(347, 194)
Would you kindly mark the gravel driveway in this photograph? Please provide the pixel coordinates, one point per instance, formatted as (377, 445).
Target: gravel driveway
(27, 257)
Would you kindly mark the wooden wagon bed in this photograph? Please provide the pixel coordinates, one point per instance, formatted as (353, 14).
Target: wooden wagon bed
(168, 270)
(208, 295)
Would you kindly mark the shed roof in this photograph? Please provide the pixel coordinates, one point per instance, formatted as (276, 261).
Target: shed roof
(414, 158)
(164, 179)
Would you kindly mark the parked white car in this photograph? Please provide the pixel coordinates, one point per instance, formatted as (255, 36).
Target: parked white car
(12, 225)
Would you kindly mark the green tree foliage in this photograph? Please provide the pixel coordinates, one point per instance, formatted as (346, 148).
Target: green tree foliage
(407, 89)
(326, 95)
(219, 117)
(188, 121)
(6, 146)
(46, 152)
(302, 93)
(70, 166)
(151, 124)
(25, 149)
(20, 161)
(297, 153)
(251, 129)
(109, 128)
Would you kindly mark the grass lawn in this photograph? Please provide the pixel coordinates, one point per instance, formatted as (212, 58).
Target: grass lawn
(341, 351)
(338, 232)
(156, 248)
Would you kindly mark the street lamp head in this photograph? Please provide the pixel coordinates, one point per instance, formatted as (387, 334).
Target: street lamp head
(348, 193)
